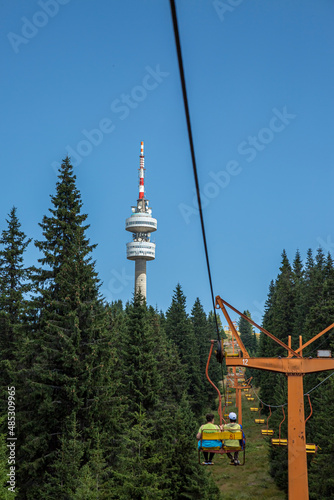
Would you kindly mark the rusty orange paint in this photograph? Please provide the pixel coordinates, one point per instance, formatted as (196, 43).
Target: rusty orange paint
(295, 367)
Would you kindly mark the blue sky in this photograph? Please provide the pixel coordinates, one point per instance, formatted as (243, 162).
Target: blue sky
(94, 78)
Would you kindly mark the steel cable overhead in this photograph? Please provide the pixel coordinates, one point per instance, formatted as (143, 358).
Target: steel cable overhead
(285, 404)
(192, 149)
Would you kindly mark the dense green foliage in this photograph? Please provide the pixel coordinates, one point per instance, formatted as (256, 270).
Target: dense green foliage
(301, 302)
(108, 398)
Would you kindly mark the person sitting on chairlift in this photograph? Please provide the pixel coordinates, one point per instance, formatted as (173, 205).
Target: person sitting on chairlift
(232, 443)
(208, 443)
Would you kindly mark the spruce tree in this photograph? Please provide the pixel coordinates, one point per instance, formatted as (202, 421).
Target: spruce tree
(138, 475)
(247, 334)
(138, 466)
(279, 454)
(141, 376)
(301, 301)
(5, 493)
(260, 376)
(321, 478)
(14, 286)
(188, 479)
(278, 320)
(284, 301)
(68, 344)
(180, 330)
(202, 334)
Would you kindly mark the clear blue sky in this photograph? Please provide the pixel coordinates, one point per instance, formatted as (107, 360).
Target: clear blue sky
(260, 84)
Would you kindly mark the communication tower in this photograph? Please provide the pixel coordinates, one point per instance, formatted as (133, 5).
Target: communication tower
(141, 224)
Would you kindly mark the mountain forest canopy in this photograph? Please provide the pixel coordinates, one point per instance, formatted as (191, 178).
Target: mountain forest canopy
(109, 397)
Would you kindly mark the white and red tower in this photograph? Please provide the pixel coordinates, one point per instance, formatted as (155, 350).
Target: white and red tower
(141, 224)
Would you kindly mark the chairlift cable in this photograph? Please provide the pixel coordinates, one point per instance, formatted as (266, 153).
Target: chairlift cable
(306, 393)
(321, 343)
(192, 149)
(329, 376)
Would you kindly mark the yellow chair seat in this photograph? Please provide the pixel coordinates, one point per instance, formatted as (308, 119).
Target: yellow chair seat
(310, 447)
(267, 432)
(279, 442)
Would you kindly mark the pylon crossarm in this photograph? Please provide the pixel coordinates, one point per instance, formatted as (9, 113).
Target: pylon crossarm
(221, 302)
(315, 338)
(291, 366)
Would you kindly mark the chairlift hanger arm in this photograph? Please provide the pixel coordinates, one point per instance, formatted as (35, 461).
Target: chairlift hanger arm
(221, 304)
(213, 385)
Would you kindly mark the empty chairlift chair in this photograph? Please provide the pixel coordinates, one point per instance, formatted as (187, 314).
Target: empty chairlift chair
(267, 431)
(259, 420)
(311, 448)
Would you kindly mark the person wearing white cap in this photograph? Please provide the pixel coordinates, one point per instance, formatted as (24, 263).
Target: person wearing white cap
(232, 443)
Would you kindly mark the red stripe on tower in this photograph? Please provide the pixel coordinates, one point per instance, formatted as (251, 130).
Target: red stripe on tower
(141, 171)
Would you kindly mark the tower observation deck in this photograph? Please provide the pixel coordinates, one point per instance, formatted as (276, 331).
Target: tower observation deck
(141, 224)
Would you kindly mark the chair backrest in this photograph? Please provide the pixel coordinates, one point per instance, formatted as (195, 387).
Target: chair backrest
(208, 434)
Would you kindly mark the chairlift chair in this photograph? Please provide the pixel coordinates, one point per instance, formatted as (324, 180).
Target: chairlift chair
(311, 448)
(212, 434)
(267, 432)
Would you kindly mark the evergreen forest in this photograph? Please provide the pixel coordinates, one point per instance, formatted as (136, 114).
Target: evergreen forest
(108, 397)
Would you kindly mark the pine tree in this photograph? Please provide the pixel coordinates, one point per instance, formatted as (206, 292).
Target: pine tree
(247, 334)
(142, 379)
(14, 286)
(180, 330)
(264, 342)
(138, 475)
(63, 480)
(68, 342)
(5, 493)
(316, 301)
(188, 479)
(202, 334)
(278, 320)
(284, 301)
(279, 454)
(302, 302)
(321, 479)
(300, 312)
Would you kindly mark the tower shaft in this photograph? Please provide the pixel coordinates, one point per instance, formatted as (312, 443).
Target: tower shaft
(140, 277)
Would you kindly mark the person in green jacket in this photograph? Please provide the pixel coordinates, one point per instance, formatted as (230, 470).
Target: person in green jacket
(214, 443)
(233, 443)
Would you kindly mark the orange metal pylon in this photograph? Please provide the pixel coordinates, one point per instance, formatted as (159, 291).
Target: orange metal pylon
(295, 367)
